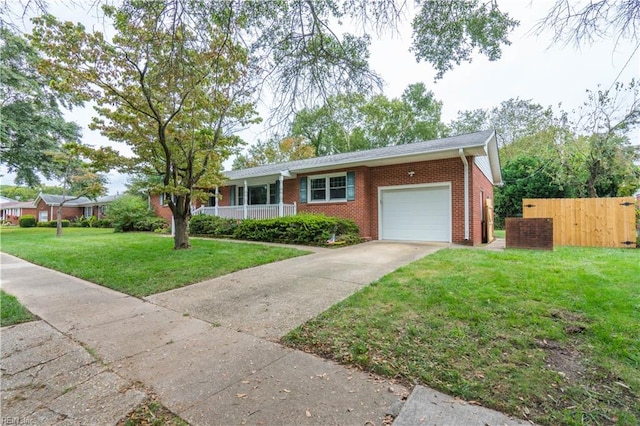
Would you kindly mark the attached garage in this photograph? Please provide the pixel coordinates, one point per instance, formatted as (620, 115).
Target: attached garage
(415, 212)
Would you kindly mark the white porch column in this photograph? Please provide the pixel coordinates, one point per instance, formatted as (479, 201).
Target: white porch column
(283, 174)
(280, 196)
(245, 199)
(215, 202)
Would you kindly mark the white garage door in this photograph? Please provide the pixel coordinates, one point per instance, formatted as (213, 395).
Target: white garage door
(416, 214)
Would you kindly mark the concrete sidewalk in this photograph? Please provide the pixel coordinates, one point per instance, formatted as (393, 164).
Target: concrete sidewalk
(94, 354)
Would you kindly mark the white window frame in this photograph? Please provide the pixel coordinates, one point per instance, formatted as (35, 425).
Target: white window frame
(327, 178)
(43, 216)
(85, 210)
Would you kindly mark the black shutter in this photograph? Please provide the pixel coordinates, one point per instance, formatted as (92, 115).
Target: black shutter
(303, 190)
(351, 186)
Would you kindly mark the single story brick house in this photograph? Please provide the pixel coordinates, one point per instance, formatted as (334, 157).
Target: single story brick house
(435, 190)
(46, 207)
(10, 211)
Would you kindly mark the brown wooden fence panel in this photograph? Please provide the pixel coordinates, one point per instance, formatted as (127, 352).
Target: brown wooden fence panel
(588, 222)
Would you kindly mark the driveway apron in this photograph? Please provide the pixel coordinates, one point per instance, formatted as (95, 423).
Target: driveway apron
(207, 350)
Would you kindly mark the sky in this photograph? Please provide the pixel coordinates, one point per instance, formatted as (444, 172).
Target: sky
(531, 68)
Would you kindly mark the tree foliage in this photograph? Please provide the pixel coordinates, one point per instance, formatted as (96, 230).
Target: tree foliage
(32, 124)
(602, 152)
(25, 193)
(355, 122)
(526, 177)
(446, 33)
(308, 51)
(274, 150)
(513, 119)
(174, 94)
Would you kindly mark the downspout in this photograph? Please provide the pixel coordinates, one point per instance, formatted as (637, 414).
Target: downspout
(466, 194)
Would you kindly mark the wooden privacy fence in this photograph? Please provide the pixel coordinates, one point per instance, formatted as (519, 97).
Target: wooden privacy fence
(589, 222)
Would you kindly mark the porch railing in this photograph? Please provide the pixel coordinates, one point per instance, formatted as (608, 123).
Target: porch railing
(254, 211)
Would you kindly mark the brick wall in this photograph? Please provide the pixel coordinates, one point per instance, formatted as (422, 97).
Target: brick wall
(438, 171)
(531, 233)
(359, 209)
(160, 209)
(68, 213)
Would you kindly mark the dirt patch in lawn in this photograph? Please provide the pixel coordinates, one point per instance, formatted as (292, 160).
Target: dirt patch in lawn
(563, 359)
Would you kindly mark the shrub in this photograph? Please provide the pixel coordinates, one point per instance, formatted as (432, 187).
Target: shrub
(151, 223)
(54, 224)
(128, 211)
(212, 226)
(86, 222)
(27, 221)
(301, 229)
(103, 223)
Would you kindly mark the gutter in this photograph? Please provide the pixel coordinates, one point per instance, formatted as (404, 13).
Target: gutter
(466, 193)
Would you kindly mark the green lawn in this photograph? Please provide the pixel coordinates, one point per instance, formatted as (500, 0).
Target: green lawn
(11, 311)
(138, 264)
(549, 336)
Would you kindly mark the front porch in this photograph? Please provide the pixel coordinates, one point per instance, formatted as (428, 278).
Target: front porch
(249, 211)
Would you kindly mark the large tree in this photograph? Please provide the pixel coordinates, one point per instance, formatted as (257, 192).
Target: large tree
(78, 175)
(173, 94)
(602, 152)
(32, 125)
(355, 122)
(513, 119)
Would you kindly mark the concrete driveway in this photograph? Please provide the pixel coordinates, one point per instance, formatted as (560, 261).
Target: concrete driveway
(270, 300)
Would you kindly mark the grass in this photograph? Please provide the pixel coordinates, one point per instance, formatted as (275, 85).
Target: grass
(553, 337)
(138, 264)
(11, 311)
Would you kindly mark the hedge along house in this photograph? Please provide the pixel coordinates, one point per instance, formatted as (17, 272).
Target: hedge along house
(427, 191)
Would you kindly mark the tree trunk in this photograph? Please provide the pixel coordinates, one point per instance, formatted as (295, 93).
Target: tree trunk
(181, 234)
(59, 222)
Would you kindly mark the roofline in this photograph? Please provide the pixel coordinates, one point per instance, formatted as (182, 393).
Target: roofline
(95, 202)
(488, 149)
(494, 154)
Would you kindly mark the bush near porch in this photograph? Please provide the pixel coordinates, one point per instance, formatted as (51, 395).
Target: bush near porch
(308, 229)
